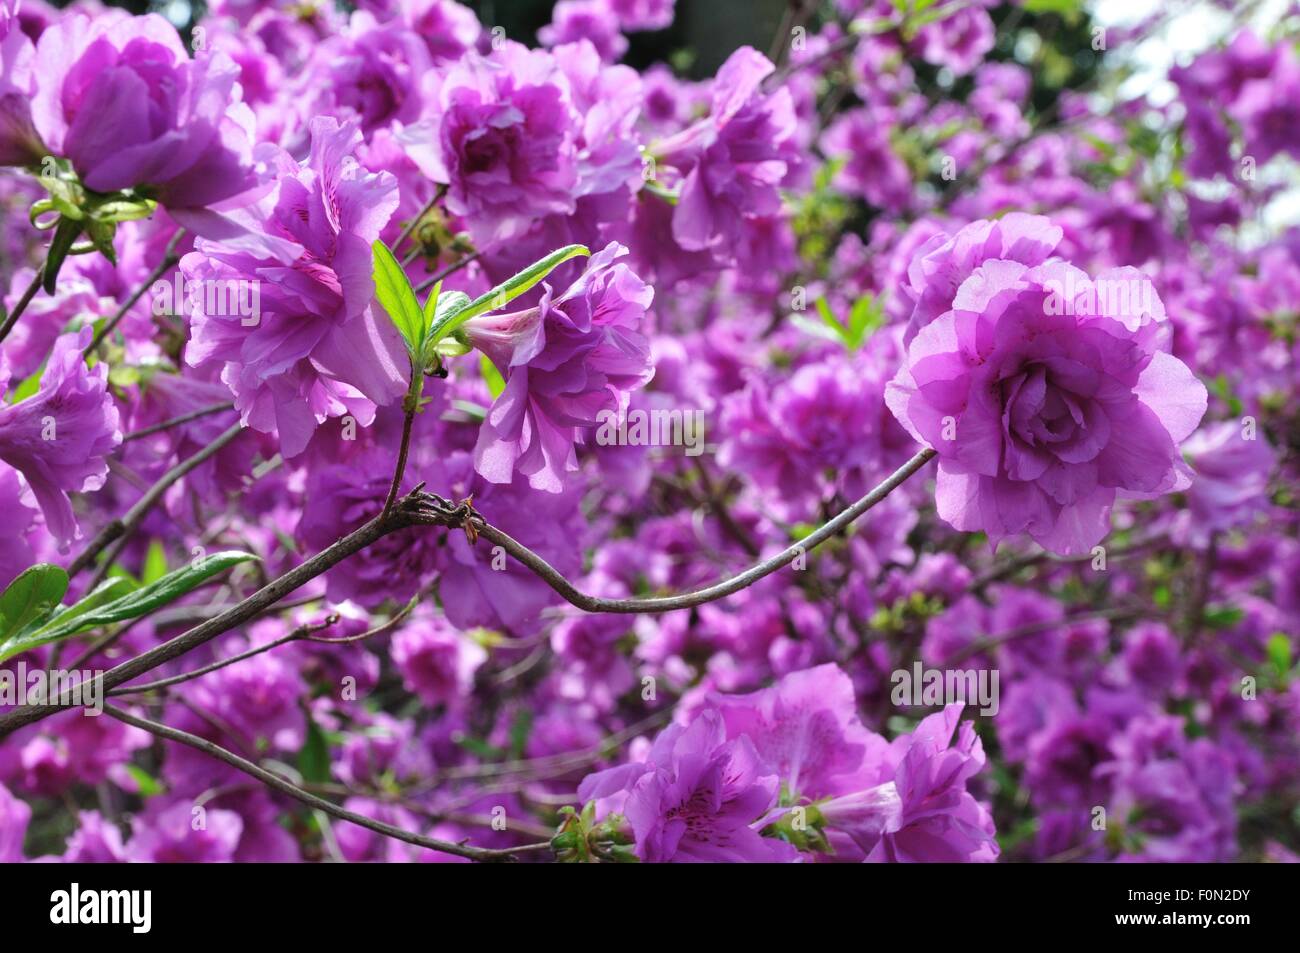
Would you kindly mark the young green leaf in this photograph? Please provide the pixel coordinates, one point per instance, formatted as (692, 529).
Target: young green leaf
(314, 757)
(65, 236)
(32, 596)
(449, 319)
(397, 298)
(106, 592)
(431, 304)
(155, 562)
(104, 609)
(491, 376)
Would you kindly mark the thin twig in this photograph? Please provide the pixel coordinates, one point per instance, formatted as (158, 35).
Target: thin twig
(169, 260)
(119, 531)
(1015, 564)
(400, 470)
(22, 304)
(414, 223)
(300, 632)
(442, 511)
(278, 783)
(423, 509)
(447, 272)
(178, 421)
(987, 642)
(236, 615)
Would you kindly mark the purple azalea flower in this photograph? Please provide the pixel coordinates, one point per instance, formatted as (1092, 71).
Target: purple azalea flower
(95, 841)
(32, 338)
(1047, 396)
(20, 143)
(565, 361)
(594, 669)
(573, 20)
(477, 590)
(60, 437)
(1173, 798)
(634, 15)
(436, 661)
(73, 749)
(871, 168)
(448, 29)
(340, 497)
(732, 163)
(14, 816)
(1152, 658)
(504, 137)
(696, 798)
(827, 418)
(958, 40)
(120, 97)
(257, 698)
(174, 835)
(924, 814)
(1269, 109)
(16, 551)
(1233, 468)
(371, 73)
(315, 348)
(940, 266)
(806, 727)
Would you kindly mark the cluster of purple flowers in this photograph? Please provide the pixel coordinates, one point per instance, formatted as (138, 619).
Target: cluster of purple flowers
(876, 243)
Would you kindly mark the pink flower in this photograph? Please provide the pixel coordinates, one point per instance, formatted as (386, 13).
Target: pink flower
(14, 816)
(806, 727)
(121, 98)
(437, 662)
(565, 362)
(697, 798)
(925, 814)
(60, 437)
(307, 346)
(1047, 396)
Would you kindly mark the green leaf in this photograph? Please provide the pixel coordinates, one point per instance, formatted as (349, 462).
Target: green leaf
(520, 729)
(155, 563)
(32, 596)
(106, 592)
(314, 758)
(828, 316)
(431, 304)
(113, 606)
(449, 318)
(65, 236)
(1052, 6)
(495, 382)
(123, 210)
(1224, 617)
(1279, 653)
(147, 784)
(397, 297)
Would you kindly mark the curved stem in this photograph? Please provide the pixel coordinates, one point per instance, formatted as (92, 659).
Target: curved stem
(449, 270)
(400, 470)
(22, 304)
(178, 420)
(286, 787)
(300, 632)
(422, 509)
(169, 260)
(718, 590)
